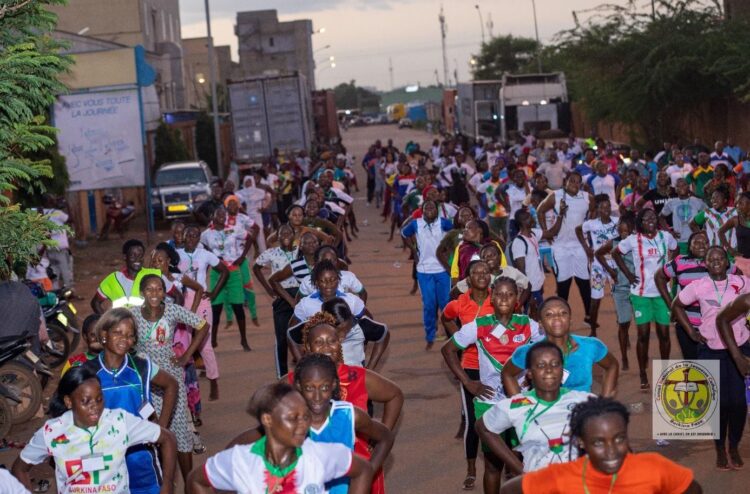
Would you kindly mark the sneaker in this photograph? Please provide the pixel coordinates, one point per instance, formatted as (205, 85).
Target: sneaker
(198, 447)
(662, 443)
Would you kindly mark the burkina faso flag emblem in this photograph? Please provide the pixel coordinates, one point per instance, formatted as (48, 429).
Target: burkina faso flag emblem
(556, 445)
(520, 402)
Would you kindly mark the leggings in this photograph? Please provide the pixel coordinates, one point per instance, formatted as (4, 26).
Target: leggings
(584, 288)
(732, 400)
(471, 438)
(239, 313)
(282, 312)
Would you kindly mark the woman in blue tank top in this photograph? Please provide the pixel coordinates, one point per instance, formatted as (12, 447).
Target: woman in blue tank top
(126, 383)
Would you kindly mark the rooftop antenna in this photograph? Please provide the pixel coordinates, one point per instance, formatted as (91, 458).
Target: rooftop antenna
(443, 32)
(390, 71)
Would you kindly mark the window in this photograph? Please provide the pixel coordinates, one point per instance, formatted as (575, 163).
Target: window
(270, 41)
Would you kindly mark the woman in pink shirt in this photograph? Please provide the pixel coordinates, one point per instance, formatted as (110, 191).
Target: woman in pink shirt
(713, 292)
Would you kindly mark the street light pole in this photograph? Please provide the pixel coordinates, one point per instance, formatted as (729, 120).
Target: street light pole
(538, 43)
(481, 21)
(214, 99)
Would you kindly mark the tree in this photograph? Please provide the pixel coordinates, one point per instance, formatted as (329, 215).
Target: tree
(349, 95)
(168, 145)
(515, 55)
(205, 140)
(649, 72)
(29, 66)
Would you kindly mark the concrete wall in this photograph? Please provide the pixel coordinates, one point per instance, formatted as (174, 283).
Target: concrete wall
(195, 60)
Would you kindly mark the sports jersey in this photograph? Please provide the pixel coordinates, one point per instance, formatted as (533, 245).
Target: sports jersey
(677, 172)
(649, 256)
(349, 283)
(699, 177)
(69, 445)
(465, 309)
(605, 185)
(310, 305)
(496, 343)
(712, 220)
(339, 428)
(542, 427)
(227, 243)
(245, 469)
(240, 220)
(195, 264)
(428, 237)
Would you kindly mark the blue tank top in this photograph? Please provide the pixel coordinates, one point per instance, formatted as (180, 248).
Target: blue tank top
(339, 429)
(128, 388)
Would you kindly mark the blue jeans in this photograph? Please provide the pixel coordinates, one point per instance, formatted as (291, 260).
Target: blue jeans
(435, 289)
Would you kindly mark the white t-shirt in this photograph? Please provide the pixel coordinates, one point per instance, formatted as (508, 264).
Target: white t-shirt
(195, 264)
(227, 244)
(277, 258)
(649, 255)
(59, 218)
(242, 469)
(677, 172)
(9, 484)
(605, 185)
(578, 207)
(516, 196)
(600, 233)
(527, 248)
(310, 305)
(349, 283)
(543, 428)
(69, 444)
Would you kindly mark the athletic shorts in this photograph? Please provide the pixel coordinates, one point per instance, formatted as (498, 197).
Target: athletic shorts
(623, 307)
(650, 309)
(570, 261)
(509, 436)
(600, 278)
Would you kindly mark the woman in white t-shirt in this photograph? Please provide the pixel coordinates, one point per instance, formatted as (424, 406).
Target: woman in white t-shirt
(285, 459)
(88, 442)
(651, 249)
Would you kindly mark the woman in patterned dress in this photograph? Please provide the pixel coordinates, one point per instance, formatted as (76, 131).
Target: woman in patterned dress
(156, 321)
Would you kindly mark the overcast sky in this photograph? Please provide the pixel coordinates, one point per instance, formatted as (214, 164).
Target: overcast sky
(364, 34)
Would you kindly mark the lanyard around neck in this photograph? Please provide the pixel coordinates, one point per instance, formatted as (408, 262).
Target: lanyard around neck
(530, 417)
(586, 489)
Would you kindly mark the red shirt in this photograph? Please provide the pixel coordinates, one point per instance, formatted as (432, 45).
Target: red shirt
(466, 310)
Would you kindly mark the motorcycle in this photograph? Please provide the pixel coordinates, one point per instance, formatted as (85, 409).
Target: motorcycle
(20, 389)
(60, 312)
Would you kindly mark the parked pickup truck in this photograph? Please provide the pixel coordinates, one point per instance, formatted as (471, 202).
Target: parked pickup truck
(180, 188)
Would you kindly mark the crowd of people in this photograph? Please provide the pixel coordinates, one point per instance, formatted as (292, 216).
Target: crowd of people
(484, 225)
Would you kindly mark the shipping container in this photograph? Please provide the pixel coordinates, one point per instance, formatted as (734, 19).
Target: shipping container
(269, 113)
(478, 109)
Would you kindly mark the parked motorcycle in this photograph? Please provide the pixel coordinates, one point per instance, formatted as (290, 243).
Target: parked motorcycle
(20, 388)
(60, 312)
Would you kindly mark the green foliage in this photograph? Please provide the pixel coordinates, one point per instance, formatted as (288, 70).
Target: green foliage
(56, 183)
(29, 66)
(205, 140)
(168, 145)
(515, 55)
(349, 95)
(626, 66)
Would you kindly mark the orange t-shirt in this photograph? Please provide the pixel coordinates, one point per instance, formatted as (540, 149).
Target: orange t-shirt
(641, 473)
(466, 310)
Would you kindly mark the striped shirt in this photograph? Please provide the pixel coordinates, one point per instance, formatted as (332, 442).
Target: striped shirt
(300, 268)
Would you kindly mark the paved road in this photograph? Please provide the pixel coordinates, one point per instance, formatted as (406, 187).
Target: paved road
(426, 458)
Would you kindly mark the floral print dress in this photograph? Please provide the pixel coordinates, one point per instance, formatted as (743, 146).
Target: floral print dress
(155, 339)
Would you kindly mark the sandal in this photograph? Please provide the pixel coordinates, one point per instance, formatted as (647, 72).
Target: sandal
(469, 482)
(42, 486)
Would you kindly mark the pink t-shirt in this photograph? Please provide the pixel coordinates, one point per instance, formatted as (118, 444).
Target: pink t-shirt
(712, 296)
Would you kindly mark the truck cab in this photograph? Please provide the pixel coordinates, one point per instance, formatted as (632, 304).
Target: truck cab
(180, 188)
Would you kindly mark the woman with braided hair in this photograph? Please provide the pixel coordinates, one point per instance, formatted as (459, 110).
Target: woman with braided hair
(606, 464)
(356, 384)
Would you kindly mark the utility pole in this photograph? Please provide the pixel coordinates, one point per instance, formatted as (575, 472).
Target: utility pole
(437, 78)
(214, 99)
(538, 43)
(390, 71)
(481, 21)
(443, 32)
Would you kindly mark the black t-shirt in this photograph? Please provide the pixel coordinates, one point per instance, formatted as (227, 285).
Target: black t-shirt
(657, 199)
(208, 207)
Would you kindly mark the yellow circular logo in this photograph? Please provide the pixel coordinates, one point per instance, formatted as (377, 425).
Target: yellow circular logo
(686, 395)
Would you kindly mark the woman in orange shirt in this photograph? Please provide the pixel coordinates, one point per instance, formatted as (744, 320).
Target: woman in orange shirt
(599, 427)
(468, 306)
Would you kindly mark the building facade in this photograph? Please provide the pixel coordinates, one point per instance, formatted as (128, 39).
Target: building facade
(198, 74)
(270, 47)
(155, 24)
